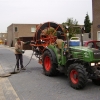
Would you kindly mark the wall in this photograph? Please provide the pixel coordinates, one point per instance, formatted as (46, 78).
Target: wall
(10, 35)
(96, 17)
(19, 30)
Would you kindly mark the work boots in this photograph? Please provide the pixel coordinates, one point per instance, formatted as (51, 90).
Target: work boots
(23, 68)
(17, 68)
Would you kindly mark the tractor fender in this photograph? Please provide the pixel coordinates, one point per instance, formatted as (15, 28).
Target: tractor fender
(72, 60)
(69, 62)
(53, 55)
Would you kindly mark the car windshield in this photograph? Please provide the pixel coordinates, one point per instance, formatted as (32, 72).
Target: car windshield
(98, 43)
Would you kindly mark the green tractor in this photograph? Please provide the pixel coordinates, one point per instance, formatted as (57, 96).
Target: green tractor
(77, 62)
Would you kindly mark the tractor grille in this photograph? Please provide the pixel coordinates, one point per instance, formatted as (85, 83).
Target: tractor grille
(80, 56)
(96, 54)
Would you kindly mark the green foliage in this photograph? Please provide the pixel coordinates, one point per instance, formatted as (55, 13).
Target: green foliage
(72, 27)
(87, 24)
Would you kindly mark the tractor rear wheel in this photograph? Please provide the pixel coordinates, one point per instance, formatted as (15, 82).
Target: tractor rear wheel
(77, 76)
(49, 64)
(96, 81)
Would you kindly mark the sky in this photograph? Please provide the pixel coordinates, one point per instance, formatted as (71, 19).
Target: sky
(40, 11)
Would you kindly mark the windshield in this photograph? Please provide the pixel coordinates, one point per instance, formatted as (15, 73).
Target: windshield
(97, 43)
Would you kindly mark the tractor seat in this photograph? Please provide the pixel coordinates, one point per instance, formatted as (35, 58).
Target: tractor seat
(59, 43)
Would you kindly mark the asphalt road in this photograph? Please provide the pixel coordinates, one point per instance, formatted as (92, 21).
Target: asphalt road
(32, 84)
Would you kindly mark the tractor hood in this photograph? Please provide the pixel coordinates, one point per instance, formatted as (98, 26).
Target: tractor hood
(85, 53)
(81, 48)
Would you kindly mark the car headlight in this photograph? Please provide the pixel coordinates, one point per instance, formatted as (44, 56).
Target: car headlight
(92, 64)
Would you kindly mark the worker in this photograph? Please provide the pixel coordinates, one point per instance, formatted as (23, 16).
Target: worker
(59, 40)
(19, 52)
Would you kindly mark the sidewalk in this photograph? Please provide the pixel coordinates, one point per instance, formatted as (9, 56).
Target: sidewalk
(7, 92)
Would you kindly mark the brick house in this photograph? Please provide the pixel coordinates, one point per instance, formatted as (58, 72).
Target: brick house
(96, 19)
(25, 31)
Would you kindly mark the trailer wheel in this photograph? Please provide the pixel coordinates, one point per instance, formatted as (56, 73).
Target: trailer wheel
(77, 76)
(49, 65)
(96, 81)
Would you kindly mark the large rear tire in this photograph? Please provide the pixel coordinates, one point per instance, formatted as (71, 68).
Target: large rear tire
(49, 64)
(77, 76)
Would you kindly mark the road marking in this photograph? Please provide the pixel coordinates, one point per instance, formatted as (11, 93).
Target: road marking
(7, 92)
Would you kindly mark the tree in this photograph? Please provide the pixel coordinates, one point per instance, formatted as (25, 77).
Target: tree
(87, 24)
(72, 27)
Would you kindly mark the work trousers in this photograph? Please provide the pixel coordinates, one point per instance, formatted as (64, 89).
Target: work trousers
(19, 58)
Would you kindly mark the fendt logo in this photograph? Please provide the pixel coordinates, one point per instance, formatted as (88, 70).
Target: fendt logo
(86, 55)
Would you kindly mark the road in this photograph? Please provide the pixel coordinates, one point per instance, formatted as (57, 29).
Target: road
(32, 84)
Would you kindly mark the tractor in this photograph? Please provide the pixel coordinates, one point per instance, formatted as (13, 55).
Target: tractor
(79, 63)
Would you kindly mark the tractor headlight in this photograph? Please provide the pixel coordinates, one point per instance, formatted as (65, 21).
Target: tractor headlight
(92, 64)
(98, 63)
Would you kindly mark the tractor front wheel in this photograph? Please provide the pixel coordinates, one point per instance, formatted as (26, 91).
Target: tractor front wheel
(77, 76)
(49, 64)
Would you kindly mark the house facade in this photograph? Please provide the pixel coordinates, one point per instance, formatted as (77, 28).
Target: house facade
(25, 31)
(96, 19)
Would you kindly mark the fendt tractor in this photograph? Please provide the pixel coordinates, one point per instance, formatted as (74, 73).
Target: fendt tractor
(79, 63)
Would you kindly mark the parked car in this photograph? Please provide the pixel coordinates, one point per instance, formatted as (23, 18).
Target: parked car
(92, 44)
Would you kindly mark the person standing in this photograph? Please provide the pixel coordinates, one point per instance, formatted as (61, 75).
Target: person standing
(19, 53)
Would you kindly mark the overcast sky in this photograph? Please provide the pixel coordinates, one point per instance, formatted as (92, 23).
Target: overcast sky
(40, 11)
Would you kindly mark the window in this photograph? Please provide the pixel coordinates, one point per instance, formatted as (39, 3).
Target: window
(3, 35)
(15, 29)
(91, 45)
(98, 44)
(33, 29)
(98, 35)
